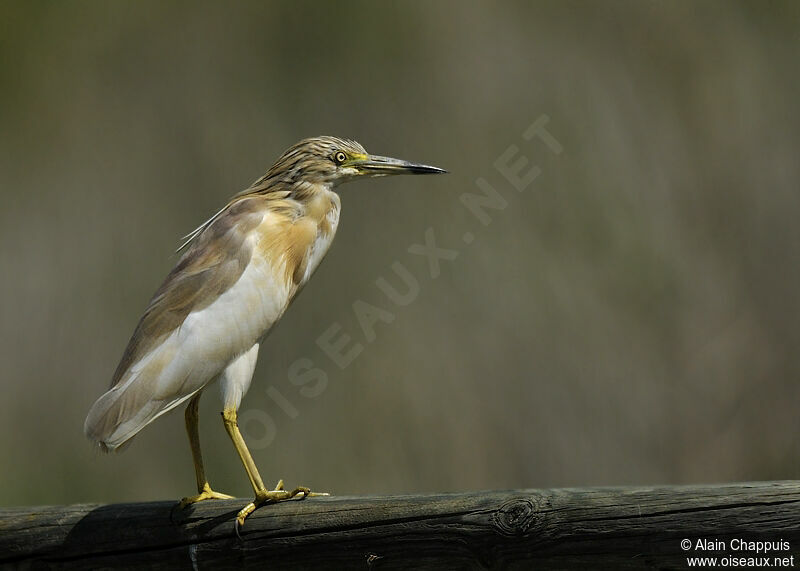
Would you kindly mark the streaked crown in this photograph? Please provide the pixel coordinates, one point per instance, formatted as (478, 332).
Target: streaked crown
(317, 160)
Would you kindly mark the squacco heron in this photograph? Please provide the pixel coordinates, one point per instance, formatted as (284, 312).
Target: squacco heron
(238, 274)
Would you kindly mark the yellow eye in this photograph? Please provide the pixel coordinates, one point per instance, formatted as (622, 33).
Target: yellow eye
(339, 158)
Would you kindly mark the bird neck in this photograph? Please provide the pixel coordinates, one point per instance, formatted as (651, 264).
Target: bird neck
(305, 192)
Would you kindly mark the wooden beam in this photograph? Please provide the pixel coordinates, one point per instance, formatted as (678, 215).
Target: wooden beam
(622, 528)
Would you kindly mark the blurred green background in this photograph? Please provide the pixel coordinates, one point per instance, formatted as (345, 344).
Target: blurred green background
(630, 318)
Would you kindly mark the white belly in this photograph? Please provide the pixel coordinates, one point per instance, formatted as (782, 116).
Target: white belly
(235, 380)
(209, 339)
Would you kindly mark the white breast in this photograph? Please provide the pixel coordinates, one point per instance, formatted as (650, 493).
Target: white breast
(221, 337)
(323, 242)
(212, 337)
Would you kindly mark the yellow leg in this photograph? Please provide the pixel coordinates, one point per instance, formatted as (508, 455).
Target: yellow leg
(204, 491)
(262, 494)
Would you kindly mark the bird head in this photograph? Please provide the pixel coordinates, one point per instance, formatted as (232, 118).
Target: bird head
(331, 161)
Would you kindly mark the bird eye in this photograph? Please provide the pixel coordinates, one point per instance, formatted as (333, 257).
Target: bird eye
(339, 158)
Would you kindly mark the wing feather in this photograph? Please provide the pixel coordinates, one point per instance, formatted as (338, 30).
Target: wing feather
(217, 257)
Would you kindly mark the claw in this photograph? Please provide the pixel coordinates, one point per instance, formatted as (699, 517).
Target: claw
(242, 515)
(279, 494)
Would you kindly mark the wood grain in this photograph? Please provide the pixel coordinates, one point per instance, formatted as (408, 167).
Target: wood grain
(596, 528)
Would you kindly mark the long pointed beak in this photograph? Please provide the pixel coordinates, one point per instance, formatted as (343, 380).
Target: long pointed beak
(374, 165)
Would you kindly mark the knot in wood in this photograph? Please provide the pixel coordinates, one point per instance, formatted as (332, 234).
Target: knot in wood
(515, 517)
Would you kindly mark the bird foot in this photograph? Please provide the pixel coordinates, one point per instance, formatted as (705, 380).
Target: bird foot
(279, 494)
(206, 494)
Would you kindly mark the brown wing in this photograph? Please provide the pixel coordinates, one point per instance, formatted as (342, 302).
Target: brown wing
(213, 262)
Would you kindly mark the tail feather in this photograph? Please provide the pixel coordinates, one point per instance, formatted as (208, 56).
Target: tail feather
(116, 417)
(121, 413)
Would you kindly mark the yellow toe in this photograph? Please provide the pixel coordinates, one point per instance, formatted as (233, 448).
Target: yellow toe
(206, 494)
(279, 494)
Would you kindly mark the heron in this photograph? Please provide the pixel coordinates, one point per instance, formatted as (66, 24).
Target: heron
(237, 274)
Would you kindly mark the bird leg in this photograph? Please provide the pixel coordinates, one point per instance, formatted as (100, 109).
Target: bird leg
(204, 491)
(263, 495)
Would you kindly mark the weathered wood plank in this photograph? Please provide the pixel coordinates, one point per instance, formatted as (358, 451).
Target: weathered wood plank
(621, 528)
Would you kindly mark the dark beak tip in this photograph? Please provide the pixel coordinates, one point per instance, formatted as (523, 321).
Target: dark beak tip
(431, 170)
